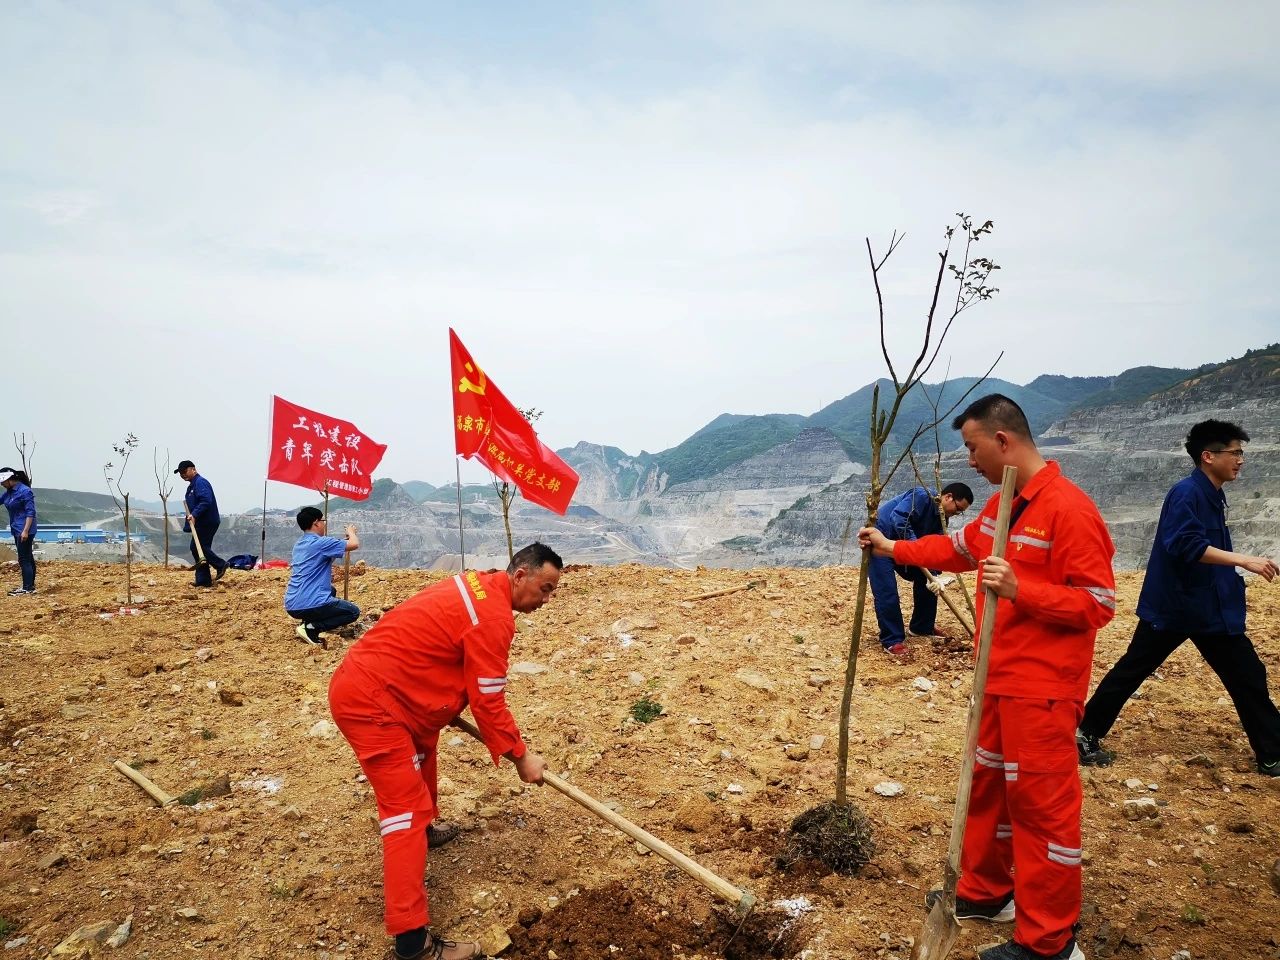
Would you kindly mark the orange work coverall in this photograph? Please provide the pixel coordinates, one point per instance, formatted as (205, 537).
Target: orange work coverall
(1022, 835)
(443, 649)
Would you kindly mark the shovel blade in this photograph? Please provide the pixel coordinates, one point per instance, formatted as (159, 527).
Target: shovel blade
(938, 935)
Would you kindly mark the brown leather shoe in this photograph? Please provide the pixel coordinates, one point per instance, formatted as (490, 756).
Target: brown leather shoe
(439, 835)
(438, 949)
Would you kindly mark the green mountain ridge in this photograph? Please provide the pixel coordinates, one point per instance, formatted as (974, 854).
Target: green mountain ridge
(732, 438)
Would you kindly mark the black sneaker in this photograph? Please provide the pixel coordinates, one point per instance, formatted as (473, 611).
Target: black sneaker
(1016, 951)
(1271, 769)
(1002, 912)
(308, 634)
(1091, 751)
(22, 592)
(222, 571)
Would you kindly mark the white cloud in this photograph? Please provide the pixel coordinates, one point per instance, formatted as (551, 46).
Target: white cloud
(217, 203)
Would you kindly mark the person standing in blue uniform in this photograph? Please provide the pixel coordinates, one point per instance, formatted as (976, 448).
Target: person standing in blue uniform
(202, 510)
(1192, 591)
(310, 596)
(21, 504)
(909, 516)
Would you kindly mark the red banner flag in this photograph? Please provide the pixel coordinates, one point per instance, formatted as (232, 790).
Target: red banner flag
(311, 450)
(487, 425)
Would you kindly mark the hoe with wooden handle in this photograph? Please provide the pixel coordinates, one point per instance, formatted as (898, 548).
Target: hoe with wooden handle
(742, 900)
(941, 928)
(195, 538)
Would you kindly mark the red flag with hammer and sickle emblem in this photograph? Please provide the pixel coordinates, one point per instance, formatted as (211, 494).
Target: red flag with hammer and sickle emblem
(487, 426)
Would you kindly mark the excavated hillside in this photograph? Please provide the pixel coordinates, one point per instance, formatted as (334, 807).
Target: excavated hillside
(200, 687)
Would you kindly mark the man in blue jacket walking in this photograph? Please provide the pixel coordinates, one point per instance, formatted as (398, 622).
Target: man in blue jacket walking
(1192, 590)
(909, 516)
(202, 510)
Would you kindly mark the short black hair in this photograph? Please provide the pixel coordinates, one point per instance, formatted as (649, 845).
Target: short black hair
(1212, 433)
(533, 557)
(958, 491)
(307, 517)
(996, 412)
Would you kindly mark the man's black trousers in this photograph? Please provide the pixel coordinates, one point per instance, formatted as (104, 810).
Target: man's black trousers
(1231, 657)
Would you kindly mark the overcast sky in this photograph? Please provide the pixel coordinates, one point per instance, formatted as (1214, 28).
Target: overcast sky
(637, 216)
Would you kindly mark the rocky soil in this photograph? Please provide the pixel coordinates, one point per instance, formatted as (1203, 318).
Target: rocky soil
(212, 689)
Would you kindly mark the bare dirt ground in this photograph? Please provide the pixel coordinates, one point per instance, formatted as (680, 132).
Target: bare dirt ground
(198, 685)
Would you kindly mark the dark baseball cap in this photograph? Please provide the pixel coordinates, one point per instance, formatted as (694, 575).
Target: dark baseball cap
(183, 465)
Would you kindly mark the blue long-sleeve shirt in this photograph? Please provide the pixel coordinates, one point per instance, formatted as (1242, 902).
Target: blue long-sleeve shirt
(21, 503)
(1180, 593)
(909, 515)
(201, 503)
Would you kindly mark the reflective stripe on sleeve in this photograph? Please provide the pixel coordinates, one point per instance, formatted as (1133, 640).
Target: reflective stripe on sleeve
(466, 599)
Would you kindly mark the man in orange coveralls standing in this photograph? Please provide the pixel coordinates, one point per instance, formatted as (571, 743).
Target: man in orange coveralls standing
(404, 681)
(1055, 589)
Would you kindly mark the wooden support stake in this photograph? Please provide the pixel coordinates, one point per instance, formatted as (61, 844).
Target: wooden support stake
(951, 604)
(751, 585)
(154, 792)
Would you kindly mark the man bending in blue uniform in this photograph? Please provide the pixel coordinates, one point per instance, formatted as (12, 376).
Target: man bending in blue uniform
(909, 516)
(1191, 590)
(310, 596)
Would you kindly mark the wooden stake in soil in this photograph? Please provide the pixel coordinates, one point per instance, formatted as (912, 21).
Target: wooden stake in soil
(154, 792)
(742, 900)
(940, 590)
(941, 929)
(750, 585)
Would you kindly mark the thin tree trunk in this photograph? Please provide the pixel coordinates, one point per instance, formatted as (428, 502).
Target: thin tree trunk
(506, 522)
(850, 675)
(164, 502)
(128, 556)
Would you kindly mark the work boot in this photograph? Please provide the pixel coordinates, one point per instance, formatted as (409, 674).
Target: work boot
(1002, 912)
(1091, 751)
(439, 949)
(440, 834)
(1016, 951)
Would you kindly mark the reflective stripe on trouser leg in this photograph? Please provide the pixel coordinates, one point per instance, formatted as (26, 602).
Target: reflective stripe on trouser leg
(388, 758)
(1044, 809)
(986, 861)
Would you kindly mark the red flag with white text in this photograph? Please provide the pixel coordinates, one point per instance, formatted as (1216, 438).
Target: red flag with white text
(487, 426)
(312, 449)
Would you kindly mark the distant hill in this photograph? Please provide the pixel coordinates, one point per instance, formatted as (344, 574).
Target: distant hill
(709, 451)
(610, 473)
(54, 505)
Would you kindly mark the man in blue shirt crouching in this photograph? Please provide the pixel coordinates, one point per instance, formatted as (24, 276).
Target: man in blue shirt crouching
(1191, 590)
(310, 596)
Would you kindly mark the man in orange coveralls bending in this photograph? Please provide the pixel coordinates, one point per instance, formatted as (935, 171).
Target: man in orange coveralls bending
(1055, 589)
(403, 682)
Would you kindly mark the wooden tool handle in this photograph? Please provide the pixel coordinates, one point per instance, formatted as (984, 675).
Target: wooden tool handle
(742, 900)
(725, 592)
(195, 538)
(156, 794)
(985, 630)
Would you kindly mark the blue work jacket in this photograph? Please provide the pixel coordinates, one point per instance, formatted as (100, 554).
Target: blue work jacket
(21, 503)
(201, 503)
(909, 515)
(1180, 593)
